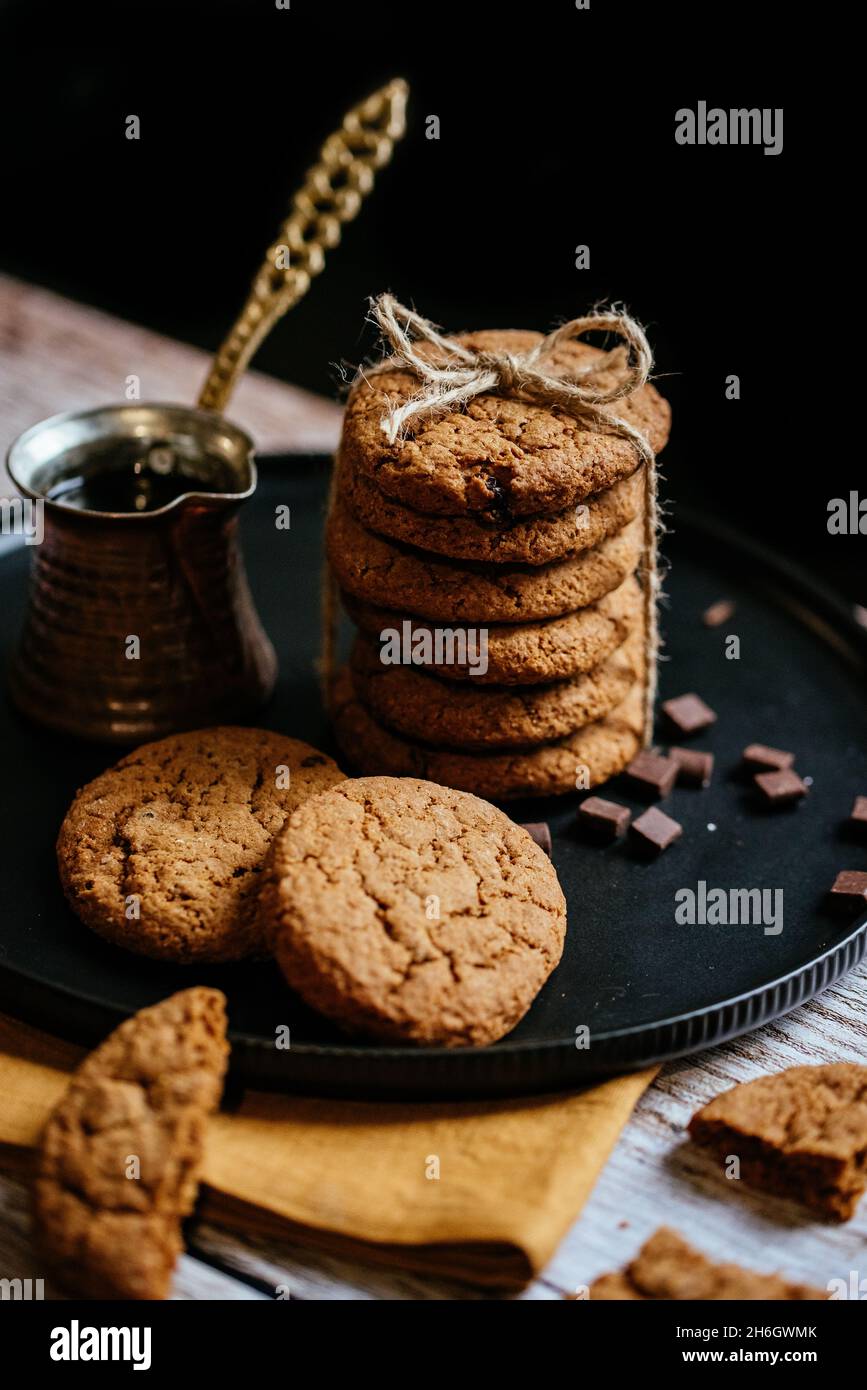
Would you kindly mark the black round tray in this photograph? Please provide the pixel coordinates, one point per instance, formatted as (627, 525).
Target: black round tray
(646, 987)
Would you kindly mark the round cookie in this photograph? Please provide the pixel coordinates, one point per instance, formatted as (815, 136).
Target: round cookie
(596, 752)
(535, 540)
(452, 715)
(496, 458)
(388, 574)
(162, 853)
(349, 895)
(516, 653)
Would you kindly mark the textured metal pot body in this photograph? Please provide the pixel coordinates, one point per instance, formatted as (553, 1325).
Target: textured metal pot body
(138, 625)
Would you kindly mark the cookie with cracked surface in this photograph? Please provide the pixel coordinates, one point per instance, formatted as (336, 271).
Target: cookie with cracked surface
(145, 1093)
(450, 714)
(534, 540)
(668, 1267)
(497, 458)
(516, 653)
(387, 574)
(177, 832)
(597, 752)
(800, 1133)
(348, 897)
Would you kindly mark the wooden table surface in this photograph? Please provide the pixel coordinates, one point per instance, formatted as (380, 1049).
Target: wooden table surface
(55, 355)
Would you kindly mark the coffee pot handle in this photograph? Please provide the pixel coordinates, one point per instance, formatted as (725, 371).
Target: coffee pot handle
(331, 194)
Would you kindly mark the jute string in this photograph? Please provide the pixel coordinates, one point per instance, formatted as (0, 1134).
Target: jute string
(456, 374)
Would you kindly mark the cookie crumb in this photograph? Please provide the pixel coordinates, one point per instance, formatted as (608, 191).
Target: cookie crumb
(718, 613)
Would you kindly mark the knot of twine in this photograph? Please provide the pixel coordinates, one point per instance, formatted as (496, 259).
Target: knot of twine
(457, 374)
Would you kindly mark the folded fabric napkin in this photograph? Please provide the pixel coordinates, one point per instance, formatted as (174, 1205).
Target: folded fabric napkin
(478, 1191)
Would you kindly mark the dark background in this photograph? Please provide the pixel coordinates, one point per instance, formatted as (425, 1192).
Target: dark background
(557, 130)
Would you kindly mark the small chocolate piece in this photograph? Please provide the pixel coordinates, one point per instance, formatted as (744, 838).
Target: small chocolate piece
(604, 820)
(718, 613)
(689, 713)
(540, 832)
(694, 768)
(654, 831)
(780, 788)
(654, 774)
(849, 892)
(758, 757)
(858, 816)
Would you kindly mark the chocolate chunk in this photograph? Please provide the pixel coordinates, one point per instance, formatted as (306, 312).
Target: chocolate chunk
(652, 773)
(540, 832)
(694, 768)
(758, 757)
(718, 613)
(780, 788)
(858, 816)
(604, 820)
(688, 713)
(654, 831)
(849, 893)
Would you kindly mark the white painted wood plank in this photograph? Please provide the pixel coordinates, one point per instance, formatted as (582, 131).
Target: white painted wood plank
(195, 1281)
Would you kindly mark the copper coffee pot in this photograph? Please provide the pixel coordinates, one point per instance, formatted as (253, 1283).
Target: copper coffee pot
(140, 620)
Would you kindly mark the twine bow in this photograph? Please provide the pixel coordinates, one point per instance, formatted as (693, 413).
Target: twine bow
(457, 374)
(465, 373)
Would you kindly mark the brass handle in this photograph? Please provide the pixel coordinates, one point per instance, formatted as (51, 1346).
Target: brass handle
(332, 193)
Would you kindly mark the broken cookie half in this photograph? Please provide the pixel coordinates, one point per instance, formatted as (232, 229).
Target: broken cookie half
(119, 1159)
(800, 1133)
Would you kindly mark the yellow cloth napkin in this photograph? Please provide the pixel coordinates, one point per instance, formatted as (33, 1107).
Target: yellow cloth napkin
(479, 1191)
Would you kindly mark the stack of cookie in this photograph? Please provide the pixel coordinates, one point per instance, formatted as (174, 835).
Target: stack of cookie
(488, 557)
